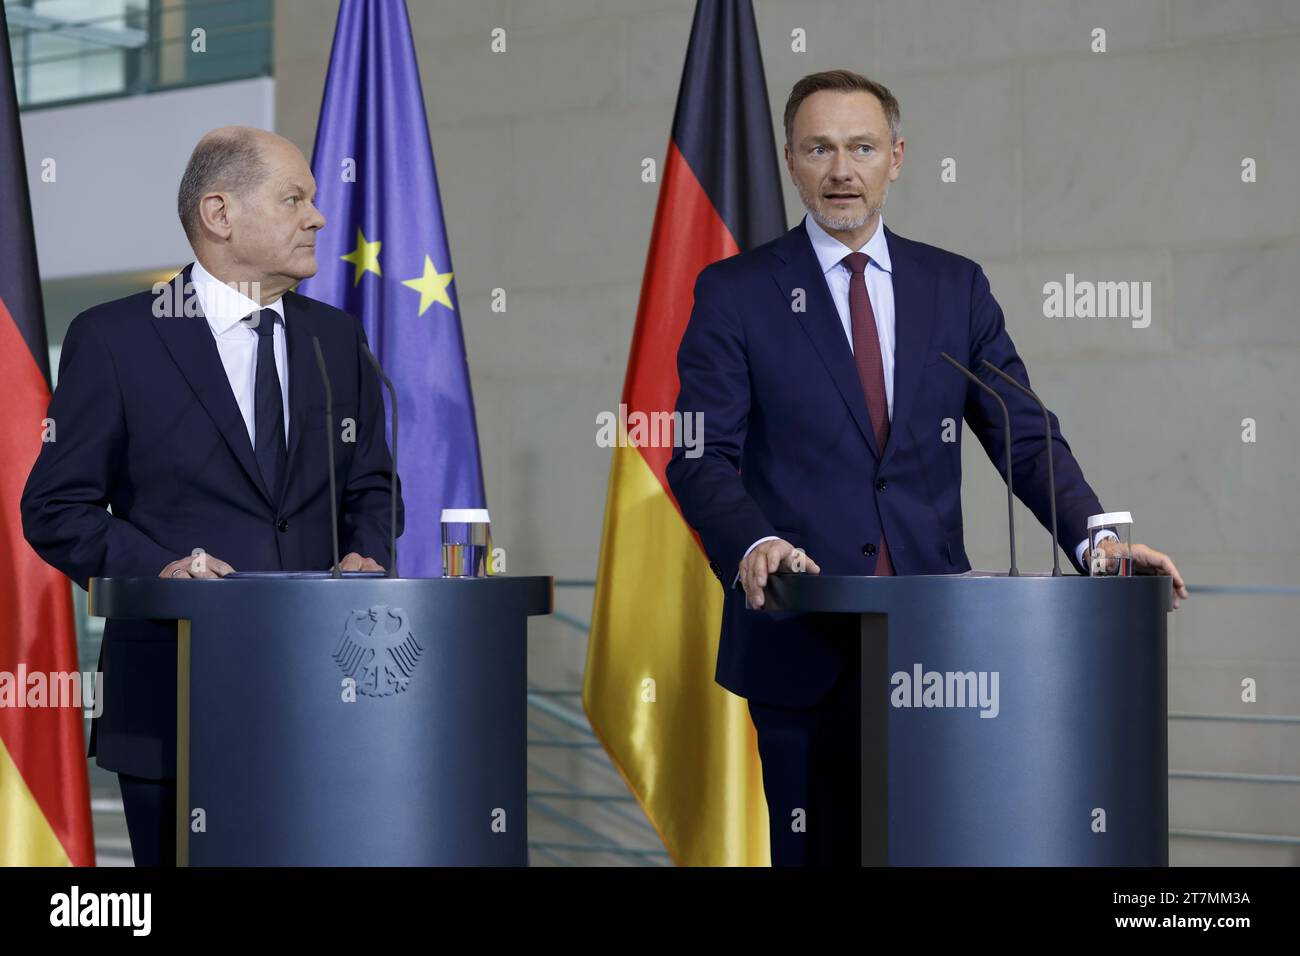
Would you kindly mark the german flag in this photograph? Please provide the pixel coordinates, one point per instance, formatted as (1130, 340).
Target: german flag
(44, 795)
(685, 746)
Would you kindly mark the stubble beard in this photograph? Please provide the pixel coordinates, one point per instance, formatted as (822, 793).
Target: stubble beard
(837, 223)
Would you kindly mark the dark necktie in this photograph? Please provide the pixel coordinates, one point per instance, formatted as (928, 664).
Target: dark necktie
(871, 370)
(268, 403)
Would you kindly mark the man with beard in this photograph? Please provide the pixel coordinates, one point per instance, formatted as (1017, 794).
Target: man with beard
(832, 443)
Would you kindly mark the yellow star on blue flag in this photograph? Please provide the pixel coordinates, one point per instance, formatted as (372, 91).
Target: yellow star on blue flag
(394, 196)
(432, 286)
(365, 257)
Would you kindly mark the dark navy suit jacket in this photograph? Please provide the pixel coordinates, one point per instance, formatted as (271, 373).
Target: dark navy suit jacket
(146, 424)
(788, 448)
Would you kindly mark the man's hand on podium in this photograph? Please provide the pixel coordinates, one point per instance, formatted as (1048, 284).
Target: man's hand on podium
(765, 559)
(355, 562)
(197, 565)
(1146, 560)
(204, 565)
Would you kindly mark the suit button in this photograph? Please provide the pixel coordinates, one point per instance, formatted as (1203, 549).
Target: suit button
(880, 485)
(283, 525)
(868, 549)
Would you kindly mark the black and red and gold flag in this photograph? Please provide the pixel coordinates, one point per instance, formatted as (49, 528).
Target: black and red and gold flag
(44, 796)
(690, 756)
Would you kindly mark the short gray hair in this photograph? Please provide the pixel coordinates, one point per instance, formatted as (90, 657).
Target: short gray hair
(231, 162)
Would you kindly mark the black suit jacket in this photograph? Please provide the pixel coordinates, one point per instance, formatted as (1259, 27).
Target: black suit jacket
(146, 424)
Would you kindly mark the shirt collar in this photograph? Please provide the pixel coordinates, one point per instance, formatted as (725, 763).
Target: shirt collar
(224, 306)
(831, 252)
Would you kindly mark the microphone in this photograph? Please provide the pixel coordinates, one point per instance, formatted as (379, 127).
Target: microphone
(1051, 475)
(1006, 416)
(329, 451)
(392, 481)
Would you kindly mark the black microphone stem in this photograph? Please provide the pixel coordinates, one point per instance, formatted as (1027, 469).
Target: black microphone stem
(1051, 474)
(392, 480)
(329, 451)
(1006, 416)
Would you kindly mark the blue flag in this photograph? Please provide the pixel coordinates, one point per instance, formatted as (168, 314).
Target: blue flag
(383, 257)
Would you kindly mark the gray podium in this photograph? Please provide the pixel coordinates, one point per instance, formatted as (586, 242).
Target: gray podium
(1070, 765)
(346, 722)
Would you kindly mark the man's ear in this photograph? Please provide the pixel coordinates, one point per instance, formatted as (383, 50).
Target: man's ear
(789, 160)
(896, 161)
(214, 212)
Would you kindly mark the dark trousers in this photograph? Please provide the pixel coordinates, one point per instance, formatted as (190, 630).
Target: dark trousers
(150, 807)
(811, 760)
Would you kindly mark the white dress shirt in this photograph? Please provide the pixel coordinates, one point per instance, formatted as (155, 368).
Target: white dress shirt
(880, 289)
(224, 308)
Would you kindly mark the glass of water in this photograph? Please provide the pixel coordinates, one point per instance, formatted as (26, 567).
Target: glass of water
(1119, 561)
(466, 541)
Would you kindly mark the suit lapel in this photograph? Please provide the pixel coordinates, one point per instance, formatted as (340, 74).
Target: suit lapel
(821, 321)
(194, 350)
(914, 316)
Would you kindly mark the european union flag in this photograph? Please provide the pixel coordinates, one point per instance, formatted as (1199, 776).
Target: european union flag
(383, 257)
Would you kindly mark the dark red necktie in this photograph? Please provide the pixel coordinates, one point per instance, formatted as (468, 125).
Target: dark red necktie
(871, 370)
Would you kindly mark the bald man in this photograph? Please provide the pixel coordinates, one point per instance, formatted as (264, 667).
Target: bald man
(190, 424)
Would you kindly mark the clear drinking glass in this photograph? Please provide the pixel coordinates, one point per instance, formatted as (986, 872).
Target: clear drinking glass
(1118, 562)
(466, 542)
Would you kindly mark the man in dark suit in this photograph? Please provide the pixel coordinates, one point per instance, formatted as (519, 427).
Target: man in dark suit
(832, 441)
(196, 413)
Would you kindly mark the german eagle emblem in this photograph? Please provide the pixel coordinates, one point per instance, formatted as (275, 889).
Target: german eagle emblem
(378, 650)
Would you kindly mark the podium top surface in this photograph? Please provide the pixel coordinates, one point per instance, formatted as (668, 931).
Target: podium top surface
(185, 598)
(849, 594)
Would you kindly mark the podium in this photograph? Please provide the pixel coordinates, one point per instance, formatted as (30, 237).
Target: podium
(346, 722)
(1007, 721)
